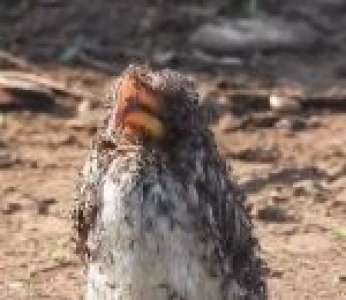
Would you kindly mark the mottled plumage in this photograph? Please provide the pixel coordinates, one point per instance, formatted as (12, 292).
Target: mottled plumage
(157, 217)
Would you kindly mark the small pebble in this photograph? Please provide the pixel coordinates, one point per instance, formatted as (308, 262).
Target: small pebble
(274, 213)
(11, 208)
(284, 104)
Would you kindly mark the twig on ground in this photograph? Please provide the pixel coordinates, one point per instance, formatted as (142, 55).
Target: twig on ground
(29, 81)
(97, 64)
(15, 61)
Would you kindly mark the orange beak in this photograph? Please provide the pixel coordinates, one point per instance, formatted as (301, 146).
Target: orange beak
(139, 107)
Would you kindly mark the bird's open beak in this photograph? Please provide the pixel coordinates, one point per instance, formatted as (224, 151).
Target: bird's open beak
(139, 108)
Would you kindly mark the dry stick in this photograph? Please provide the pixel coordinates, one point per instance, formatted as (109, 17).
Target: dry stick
(12, 78)
(16, 61)
(98, 64)
(330, 98)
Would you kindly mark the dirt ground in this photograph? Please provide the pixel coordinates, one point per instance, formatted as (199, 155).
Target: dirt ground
(292, 166)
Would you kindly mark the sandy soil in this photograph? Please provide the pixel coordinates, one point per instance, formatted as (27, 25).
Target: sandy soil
(297, 195)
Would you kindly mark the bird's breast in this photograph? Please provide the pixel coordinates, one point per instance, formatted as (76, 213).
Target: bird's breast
(147, 246)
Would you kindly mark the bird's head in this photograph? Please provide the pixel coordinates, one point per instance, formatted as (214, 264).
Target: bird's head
(153, 106)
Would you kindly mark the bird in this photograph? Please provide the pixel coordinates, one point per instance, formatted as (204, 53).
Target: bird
(157, 216)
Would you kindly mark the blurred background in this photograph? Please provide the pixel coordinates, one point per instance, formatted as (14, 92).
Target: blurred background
(271, 77)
